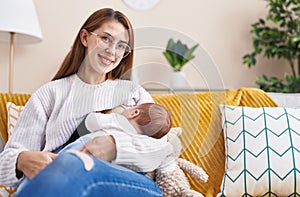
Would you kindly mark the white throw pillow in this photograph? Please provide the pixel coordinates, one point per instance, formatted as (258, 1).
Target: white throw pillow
(13, 113)
(262, 151)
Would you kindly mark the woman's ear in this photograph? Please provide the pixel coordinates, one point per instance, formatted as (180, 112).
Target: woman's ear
(83, 37)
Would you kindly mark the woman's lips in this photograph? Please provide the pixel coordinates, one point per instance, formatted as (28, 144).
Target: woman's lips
(105, 61)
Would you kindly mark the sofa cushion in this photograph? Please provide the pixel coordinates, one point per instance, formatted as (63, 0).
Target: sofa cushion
(262, 151)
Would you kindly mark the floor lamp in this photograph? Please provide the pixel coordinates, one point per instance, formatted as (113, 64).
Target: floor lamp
(18, 25)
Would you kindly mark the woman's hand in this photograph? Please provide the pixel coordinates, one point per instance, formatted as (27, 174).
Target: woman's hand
(101, 147)
(30, 163)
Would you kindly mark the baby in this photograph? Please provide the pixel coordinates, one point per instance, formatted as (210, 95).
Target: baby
(148, 119)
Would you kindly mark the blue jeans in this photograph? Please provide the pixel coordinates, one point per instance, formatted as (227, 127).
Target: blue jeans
(66, 176)
(77, 144)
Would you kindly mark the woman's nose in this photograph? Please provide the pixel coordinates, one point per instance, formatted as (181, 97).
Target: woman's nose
(111, 49)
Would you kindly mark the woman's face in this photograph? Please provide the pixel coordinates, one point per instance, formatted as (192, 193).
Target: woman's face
(105, 47)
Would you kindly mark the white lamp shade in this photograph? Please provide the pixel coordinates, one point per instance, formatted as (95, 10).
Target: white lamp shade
(19, 16)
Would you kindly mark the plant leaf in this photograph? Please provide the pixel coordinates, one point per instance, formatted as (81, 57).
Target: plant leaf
(170, 45)
(169, 58)
(189, 53)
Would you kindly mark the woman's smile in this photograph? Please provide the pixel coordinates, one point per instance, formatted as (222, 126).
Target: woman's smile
(105, 60)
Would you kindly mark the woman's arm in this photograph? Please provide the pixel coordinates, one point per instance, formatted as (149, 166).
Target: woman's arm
(27, 135)
(30, 163)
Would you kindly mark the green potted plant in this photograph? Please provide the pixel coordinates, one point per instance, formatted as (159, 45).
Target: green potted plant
(178, 54)
(278, 36)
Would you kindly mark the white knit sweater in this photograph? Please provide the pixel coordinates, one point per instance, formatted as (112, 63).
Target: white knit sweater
(55, 110)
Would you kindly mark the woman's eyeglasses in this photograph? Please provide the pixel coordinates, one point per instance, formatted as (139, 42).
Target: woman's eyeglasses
(122, 49)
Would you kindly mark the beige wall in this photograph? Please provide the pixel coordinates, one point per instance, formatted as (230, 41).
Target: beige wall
(221, 28)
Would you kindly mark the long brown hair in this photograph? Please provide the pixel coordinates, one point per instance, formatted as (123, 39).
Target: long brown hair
(74, 58)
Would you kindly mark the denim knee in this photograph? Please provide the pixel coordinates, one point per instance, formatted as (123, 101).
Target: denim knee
(66, 176)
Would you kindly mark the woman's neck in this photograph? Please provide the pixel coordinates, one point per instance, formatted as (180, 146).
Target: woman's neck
(90, 78)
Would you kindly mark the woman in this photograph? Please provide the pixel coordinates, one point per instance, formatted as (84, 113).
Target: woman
(94, 70)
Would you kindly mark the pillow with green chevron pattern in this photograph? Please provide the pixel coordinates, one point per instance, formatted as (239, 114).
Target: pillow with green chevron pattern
(262, 151)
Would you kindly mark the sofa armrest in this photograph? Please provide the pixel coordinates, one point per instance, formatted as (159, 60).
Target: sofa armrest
(291, 100)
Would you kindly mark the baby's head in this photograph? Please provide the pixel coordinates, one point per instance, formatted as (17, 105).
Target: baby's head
(150, 119)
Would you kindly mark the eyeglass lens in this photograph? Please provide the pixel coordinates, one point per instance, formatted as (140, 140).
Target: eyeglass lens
(121, 49)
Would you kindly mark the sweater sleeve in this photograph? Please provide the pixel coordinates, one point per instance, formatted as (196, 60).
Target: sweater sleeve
(28, 134)
(140, 152)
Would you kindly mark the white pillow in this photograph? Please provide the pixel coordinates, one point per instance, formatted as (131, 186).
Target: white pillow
(13, 113)
(262, 151)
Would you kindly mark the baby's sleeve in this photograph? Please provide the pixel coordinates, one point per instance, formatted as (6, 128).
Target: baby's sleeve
(141, 152)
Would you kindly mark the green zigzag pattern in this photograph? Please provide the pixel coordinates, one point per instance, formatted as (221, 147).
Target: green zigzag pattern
(267, 148)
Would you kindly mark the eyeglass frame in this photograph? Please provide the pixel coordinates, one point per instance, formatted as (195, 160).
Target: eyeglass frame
(110, 43)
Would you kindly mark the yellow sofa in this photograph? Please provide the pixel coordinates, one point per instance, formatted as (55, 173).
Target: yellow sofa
(198, 115)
